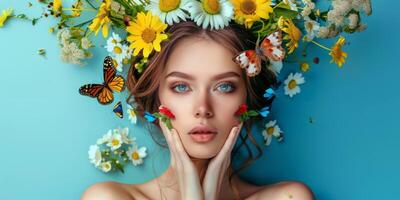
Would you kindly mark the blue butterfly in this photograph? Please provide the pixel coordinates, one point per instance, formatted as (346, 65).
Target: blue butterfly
(118, 110)
(269, 93)
(264, 111)
(150, 117)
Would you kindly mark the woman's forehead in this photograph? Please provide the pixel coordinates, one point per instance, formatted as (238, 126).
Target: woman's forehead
(201, 57)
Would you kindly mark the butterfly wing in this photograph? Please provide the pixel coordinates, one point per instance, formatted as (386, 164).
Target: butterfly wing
(149, 117)
(115, 82)
(118, 110)
(91, 90)
(271, 46)
(250, 61)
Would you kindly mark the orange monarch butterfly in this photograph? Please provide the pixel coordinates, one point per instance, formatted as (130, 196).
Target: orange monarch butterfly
(112, 83)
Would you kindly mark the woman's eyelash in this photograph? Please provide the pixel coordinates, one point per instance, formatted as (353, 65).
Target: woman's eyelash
(231, 85)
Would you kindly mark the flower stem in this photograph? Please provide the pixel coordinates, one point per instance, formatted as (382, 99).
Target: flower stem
(320, 45)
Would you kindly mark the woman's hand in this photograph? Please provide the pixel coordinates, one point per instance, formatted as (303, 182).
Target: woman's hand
(218, 165)
(185, 170)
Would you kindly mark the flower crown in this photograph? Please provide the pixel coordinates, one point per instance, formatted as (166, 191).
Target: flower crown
(280, 26)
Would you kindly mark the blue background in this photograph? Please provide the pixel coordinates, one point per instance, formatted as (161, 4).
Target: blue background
(349, 152)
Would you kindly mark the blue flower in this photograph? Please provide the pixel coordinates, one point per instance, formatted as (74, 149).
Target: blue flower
(269, 93)
(150, 117)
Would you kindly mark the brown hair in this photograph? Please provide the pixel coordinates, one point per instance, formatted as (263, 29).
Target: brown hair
(144, 87)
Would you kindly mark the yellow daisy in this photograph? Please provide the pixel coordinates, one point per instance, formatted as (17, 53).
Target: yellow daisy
(146, 33)
(293, 34)
(4, 16)
(102, 19)
(338, 56)
(249, 11)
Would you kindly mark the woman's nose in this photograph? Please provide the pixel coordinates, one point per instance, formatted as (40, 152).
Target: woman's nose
(204, 108)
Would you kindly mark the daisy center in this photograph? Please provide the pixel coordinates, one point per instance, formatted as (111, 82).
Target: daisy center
(117, 50)
(148, 35)
(135, 156)
(248, 7)
(115, 142)
(114, 41)
(292, 84)
(168, 5)
(211, 6)
(270, 130)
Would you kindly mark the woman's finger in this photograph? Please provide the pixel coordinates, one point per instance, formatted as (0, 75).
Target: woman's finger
(230, 141)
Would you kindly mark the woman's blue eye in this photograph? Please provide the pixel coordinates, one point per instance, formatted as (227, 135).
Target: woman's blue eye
(180, 87)
(227, 87)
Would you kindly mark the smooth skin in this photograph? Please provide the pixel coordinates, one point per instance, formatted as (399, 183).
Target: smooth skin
(199, 96)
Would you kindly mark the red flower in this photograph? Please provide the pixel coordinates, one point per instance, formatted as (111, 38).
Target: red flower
(242, 109)
(164, 110)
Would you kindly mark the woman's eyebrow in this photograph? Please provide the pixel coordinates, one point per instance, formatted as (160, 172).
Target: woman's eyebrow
(189, 77)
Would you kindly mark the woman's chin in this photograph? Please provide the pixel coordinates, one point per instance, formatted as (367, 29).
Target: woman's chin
(206, 154)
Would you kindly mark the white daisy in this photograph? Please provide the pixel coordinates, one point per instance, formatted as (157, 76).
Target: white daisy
(292, 84)
(136, 155)
(118, 64)
(112, 42)
(94, 155)
(311, 27)
(131, 114)
(106, 137)
(169, 11)
(124, 136)
(271, 129)
(214, 13)
(115, 141)
(106, 166)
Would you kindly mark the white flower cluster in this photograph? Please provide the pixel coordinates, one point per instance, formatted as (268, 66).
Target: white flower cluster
(73, 46)
(120, 52)
(272, 130)
(115, 149)
(345, 15)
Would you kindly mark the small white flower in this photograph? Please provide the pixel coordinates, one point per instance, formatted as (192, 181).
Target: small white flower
(115, 141)
(214, 13)
(353, 21)
(106, 166)
(106, 137)
(271, 129)
(71, 53)
(86, 43)
(311, 27)
(291, 3)
(169, 11)
(292, 84)
(136, 155)
(275, 66)
(131, 114)
(94, 155)
(112, 42)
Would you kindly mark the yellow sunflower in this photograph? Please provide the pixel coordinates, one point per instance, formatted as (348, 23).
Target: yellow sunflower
(102, 19)
(338, 56)
(5, 15)
(57, 5)
(293, 34)
(249, 11)
(146, 33)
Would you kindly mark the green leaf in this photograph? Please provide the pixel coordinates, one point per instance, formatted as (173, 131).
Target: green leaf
(252, 113)
(287, 13)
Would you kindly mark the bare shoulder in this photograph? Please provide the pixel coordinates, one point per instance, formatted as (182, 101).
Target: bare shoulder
(284, 190)
(111, 190)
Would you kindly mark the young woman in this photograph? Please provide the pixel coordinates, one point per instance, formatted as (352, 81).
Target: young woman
(195, 77)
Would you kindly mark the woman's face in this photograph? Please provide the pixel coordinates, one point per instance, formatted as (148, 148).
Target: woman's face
(201, 85)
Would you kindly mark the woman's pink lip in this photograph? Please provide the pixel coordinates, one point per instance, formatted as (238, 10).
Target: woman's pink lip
(202, 137)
